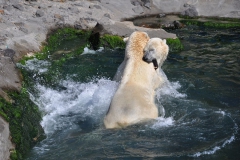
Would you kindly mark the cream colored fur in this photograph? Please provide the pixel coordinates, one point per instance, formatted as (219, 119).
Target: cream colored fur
(134, 99)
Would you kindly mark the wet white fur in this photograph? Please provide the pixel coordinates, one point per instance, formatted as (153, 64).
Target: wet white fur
(134, 99)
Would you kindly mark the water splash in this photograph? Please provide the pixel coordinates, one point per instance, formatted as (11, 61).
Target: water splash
(89, 51)
(169, 88)
(163, 122)
(39, 66)
(90, 99)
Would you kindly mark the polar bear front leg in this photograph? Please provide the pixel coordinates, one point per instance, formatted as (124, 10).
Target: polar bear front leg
(159, 79)
(119, 73)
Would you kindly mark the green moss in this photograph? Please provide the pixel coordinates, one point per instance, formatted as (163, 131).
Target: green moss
(24, 122)
(111, 41)
(56, 41)
(58, 38)
(224, 19)
(2, 113)
(14, 155)
(213, 23)
(175, 45)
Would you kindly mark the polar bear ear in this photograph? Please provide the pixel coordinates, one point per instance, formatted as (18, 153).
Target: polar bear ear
(125, 39)
(164, 40)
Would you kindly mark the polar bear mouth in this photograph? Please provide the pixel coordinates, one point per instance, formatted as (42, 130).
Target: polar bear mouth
(154, 61)
(155, 64)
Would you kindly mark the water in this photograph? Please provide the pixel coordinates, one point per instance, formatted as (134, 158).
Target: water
(200, 99)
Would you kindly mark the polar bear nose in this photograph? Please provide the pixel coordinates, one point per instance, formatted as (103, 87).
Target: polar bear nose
(146, 59)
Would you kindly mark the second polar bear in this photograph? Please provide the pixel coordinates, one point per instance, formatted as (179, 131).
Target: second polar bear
(134, 99)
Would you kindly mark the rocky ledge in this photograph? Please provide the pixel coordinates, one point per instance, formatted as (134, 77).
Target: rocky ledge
(24, 26)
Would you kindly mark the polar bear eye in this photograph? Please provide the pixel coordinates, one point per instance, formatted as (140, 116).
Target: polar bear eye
(151, 50)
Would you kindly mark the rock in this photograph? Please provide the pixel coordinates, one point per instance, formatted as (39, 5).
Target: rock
(177, 24)
(9, 53)
(191, 11)
(58, 16)
(7, 7)
(1, 11)
(148, 5)
(9, 75)
(60, 24)
(23, 30)
(94, 40)
(135, 3)
(5, 141)
(95, 0)
(138, 10)
(39, 13)
(95, 6)
(74, 9)
(172, 25)
(19, 24)
(107, 15)
(124, 29)
(88, 12)
(78, 4)
(85, 23)
(186, 5)
(161, 15)
(18, 6)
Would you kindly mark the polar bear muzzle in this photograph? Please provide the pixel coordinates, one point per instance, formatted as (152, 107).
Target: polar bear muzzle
(154, 61)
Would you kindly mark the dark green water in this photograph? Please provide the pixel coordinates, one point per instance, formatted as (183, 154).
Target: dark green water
(201, 99)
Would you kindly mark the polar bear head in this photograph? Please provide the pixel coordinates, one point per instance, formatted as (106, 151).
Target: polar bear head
(156, 51)
(135, 44)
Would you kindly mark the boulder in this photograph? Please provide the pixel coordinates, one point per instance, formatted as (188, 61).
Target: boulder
(5, 142)
(190, 11)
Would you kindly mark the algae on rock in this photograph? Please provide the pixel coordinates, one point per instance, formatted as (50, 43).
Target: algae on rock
(175, 45)
(24, 121)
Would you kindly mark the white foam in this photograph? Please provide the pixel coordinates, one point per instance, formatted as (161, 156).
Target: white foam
(169, 88)
(221, 112)
(39, 66)
(85, 99)
(89, 51)
(215, 149)
(162, 122)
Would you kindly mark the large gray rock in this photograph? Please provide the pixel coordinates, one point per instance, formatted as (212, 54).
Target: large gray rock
(218, 8)
(9, 75)
(5, 142)
(124, 29)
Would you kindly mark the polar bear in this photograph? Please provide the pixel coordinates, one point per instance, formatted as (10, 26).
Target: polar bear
(134, 99)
